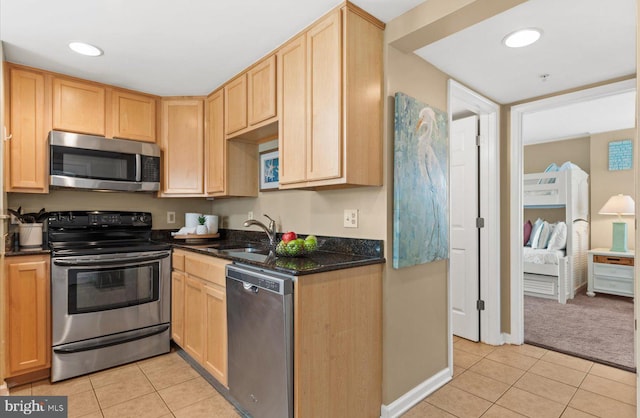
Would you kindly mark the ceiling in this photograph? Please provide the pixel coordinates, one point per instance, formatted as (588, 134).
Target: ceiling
(583, 42)
(167, 48)
(162, 47)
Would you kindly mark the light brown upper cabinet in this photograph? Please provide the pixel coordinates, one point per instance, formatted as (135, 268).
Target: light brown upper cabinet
(231, 167)
(262, 91)
(235, 106)
(134, 116)
(251, 102)
(29, 124)
(335, 69)
(78, 107)
(182, 145)
(214, 143)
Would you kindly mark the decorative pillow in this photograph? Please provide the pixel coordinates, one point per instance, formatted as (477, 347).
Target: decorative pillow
(545, 234)
(535, 232)
(567, 165)
(558, 240)
(527, 232)
(550, 168)
(540, 237)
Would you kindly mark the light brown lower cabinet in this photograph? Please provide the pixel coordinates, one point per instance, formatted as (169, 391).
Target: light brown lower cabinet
(27, 313)
(338, 343)
(199, 310)
(337, 332)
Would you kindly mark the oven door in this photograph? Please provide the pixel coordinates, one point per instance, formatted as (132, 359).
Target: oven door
(100, 295)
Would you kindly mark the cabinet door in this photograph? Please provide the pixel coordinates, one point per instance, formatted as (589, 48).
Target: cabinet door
(262, 91)
(134, 116)
(194, 318)
(292, 103)
(324, 79)
(182, 144)
(215, 143)
(177, 307)
(27, 148)
(27, 311)
(215, 353)
(235, 105)
(78, 107)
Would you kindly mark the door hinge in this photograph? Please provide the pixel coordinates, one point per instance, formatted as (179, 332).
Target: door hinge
(480, 305)
(478, 140)
(479, 222)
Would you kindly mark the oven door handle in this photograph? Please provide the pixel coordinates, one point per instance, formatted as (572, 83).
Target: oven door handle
(108, 261)
(111, 340)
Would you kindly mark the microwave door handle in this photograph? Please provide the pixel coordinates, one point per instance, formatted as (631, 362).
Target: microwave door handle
(138, 167)
(108, 262)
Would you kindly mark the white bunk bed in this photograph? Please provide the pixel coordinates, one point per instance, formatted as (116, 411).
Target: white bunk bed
(552, 274)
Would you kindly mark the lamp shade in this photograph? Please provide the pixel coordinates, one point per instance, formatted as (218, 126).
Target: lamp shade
(619, 205)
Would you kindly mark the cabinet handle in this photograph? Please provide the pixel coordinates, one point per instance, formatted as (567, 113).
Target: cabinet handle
(6, 138)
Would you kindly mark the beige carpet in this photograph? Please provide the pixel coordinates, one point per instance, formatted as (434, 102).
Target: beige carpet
(598, 328)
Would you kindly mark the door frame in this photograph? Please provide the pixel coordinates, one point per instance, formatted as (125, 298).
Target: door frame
(516, 217)
(489, 163)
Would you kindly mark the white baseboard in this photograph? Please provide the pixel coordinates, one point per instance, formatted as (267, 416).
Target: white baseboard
(510, 339)
(4, 390)
(415, 395)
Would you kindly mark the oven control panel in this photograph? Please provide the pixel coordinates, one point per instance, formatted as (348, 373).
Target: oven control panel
(101, 219)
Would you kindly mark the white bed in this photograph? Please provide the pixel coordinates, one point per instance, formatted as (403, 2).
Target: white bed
(553, 273)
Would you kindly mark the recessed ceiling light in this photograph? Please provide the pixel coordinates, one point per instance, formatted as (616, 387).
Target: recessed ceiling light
(522, 37)
(83, 48)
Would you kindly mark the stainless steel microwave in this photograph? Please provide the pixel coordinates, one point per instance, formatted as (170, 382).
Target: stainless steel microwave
(98, 163)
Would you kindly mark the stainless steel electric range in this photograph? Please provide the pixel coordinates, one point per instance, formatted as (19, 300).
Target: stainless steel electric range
(110, 291)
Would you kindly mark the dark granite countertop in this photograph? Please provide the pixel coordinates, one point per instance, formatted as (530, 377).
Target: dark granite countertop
(334, 253)
(23, 251)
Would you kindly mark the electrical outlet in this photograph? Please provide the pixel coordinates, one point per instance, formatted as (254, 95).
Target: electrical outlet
(351, 218)
(250, 215)
(171, 217)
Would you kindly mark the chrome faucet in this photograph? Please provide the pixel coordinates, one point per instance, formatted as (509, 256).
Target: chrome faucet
(269, 230)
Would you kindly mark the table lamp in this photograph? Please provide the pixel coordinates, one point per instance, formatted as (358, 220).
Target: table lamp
(619, 205)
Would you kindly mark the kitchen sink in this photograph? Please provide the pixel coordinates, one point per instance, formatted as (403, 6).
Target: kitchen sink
(255, 252)
(260, 250)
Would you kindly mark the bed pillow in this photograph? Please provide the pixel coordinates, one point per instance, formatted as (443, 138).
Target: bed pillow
(558, 240)
(535, 232)
(541, 236)
(550, 168)
(527, 232)
(545, 235)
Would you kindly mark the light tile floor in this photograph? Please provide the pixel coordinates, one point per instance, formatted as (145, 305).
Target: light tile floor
(163, 386)
(506, 381)
(528, 381)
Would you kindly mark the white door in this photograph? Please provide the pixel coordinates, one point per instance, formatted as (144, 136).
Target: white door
(464, 262)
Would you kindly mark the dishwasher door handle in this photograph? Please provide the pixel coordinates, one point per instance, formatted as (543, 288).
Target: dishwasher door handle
(249, 287)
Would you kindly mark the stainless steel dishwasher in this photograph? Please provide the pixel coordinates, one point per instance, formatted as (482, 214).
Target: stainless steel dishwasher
(260, 333)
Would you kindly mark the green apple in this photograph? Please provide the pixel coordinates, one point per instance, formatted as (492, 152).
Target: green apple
(310, 243)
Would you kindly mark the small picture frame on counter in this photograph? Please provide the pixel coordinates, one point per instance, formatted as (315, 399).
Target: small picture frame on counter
(269, 170)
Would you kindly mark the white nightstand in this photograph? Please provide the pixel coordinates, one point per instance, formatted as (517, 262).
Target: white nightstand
(610, 272)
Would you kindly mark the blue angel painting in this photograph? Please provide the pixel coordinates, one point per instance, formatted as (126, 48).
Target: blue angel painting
(420, 208)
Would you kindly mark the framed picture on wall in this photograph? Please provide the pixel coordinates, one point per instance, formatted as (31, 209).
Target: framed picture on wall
(269, 173)
(620, 155)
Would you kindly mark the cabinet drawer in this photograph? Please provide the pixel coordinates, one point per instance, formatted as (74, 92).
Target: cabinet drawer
(178, 261)
(205, 267)
(608, 259)
(612, 270)
(611, 285)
